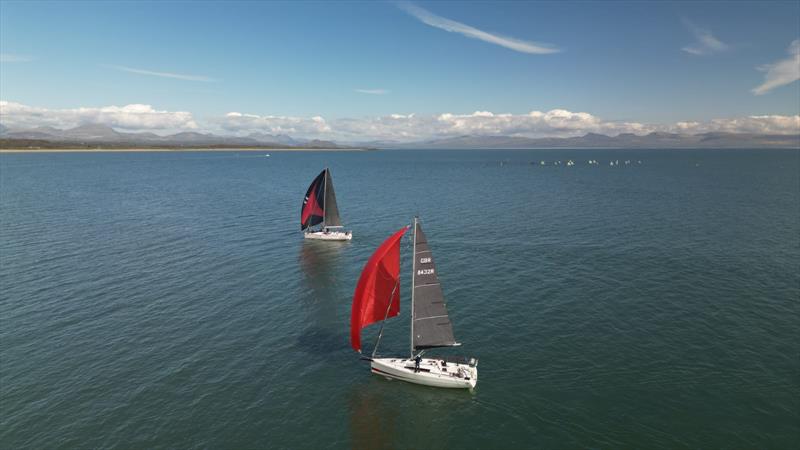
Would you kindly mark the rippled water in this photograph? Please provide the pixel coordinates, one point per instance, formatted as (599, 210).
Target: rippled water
(168, 300)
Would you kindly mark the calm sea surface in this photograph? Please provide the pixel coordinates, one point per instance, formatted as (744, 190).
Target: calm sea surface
(165, 300)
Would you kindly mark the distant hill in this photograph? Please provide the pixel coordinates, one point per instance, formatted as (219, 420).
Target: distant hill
(592, 140)
(277, 139)
(96, 135)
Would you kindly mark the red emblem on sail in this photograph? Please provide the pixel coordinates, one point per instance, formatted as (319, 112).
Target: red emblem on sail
(311, 207)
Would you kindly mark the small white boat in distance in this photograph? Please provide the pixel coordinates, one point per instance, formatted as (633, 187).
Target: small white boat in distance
(320, 208)
(377, 298)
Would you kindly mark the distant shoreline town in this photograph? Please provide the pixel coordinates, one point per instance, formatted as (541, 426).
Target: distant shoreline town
(96, 137)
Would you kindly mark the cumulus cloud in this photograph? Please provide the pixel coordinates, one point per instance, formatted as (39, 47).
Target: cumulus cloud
(129, 117)
(706, 43)
(770, 124)
(236, 122)
(406, 127)
(177, 76)
(452, 26)
(373, 91)
(782, 72)
(553, 123)
(393, 127)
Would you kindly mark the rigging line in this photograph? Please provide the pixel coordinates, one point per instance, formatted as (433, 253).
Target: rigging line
(383, 323)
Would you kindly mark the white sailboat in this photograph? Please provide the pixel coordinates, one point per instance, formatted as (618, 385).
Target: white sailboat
(320, 208)
(377, 298)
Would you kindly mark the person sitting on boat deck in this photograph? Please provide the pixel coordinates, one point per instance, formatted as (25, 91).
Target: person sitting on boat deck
(417, 360)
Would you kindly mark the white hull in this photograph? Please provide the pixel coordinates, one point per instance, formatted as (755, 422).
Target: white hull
(329, 235)
(431, 372)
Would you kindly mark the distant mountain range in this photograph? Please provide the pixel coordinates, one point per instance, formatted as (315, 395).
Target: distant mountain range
(96, 135)
(591, 140)
(99, 135)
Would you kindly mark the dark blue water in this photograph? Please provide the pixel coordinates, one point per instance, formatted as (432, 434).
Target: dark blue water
(163, 300)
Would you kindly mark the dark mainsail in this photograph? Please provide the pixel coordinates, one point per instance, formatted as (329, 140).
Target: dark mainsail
(330, 208)
(313, 209)
(431, 323)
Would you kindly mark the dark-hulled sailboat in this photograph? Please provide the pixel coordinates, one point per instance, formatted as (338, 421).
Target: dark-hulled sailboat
(377, 298)
(320, 208)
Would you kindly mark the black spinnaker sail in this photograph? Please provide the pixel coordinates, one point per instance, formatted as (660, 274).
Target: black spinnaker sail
(431, 324)
(313, 210)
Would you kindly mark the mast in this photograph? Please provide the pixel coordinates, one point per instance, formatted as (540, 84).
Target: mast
(324, 188)
(413, 276)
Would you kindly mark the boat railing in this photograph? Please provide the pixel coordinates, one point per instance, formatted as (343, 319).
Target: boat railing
(457, 359)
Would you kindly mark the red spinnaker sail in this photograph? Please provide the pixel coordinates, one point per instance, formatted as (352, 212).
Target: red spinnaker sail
(374, 292)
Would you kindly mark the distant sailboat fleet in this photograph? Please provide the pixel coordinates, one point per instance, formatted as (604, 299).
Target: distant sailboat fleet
(570, 163)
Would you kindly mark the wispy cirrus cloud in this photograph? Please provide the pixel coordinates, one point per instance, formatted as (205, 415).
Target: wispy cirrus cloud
(177, 76)
(706, 43)
(452, 26)
(781, 72)
(14, 58)
(373, 91)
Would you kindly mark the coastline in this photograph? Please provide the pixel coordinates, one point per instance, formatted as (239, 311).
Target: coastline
(176, 150)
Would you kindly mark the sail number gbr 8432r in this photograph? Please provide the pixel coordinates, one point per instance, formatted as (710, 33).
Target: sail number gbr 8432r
(425, 260)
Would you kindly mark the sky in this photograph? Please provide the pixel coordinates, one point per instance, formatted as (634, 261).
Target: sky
(402, 70)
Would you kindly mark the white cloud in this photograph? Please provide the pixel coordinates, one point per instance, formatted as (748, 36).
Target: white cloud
(706, 43)
(13, 58)
(395, 127)
(771, 124)
(129, 117)
(177, 76)
(236, 122)
(407, 127)
(553, 123)
(782, 72)
(452, 26)
(373, 91)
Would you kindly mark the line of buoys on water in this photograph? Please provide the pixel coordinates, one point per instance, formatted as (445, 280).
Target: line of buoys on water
(591, 162)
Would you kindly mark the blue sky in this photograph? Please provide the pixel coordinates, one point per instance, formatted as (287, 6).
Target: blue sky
(649, 63)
